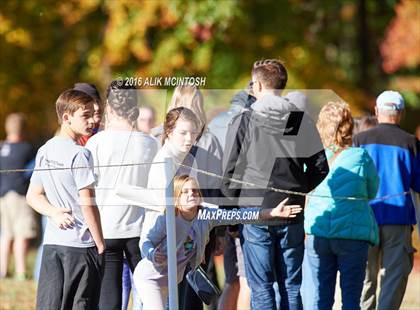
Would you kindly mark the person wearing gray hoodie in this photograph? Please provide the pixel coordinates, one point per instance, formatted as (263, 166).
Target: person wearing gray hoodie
(219, 124)
(275, 148)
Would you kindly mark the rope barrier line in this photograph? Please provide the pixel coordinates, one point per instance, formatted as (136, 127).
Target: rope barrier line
(274, 189)
(278, 190)
(71, 168)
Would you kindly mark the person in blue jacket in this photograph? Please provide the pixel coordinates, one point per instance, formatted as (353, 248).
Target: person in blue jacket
(339, 230)
(396, 156)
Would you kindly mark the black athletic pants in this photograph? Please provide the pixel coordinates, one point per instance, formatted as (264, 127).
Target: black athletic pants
(70, 278)
(111, 290)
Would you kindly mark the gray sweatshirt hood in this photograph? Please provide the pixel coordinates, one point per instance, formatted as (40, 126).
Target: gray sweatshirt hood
(272, 112)
(240, 98)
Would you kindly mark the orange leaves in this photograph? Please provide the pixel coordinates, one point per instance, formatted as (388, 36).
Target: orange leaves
(401, 46)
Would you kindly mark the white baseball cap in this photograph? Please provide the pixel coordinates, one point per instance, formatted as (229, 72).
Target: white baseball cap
(390, 100)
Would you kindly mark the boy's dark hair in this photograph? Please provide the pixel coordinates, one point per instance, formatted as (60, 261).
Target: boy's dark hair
(70, 101)
(123, 100)
(271, 73)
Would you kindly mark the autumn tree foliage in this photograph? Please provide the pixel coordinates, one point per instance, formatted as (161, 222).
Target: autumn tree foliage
(401, 46)
(400, 51)
(46, 46)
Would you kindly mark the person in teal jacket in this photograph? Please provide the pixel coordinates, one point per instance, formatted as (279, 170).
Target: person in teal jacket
(340, 230)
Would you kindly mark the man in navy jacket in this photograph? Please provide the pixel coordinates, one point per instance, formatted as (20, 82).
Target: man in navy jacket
(396, 156)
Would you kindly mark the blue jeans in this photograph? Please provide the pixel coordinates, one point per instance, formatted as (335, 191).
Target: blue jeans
(127, 287)
(274, 254)
(324, 257)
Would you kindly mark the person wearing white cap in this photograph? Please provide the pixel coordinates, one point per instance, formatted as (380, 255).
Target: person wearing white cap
(396, 156)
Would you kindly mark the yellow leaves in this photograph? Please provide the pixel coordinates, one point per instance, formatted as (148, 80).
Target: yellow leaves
(117, 34)
(94, 59)
(298, 53)
(348, 11)
(267, 41)
(5, 24)
(127, 25)
(178, 60)
(166, 56)
(142, 16)
(73, 11)
(16, 36)
(168, 17)
(139, 48)
(19, 37)
(163, 36)
(296, 56)
(202, 57)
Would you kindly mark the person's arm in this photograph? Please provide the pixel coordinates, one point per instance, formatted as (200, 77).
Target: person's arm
(372, 177)
(253, 215)
(316, 163)
(311, 151)
(415, 183)
(38, 201)
(153, 232)
(281, 211)
(316, 169)
(91, 145)
(82, 171)
(91, 215)
(233, 164)
(213, 157)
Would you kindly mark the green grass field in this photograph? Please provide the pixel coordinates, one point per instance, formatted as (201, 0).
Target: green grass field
(20, 295)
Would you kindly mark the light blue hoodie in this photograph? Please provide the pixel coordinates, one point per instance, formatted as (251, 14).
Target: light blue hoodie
(352, 173)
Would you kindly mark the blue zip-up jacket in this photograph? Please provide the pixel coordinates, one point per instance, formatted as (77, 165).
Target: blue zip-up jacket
(397, 159)
(352, 174)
